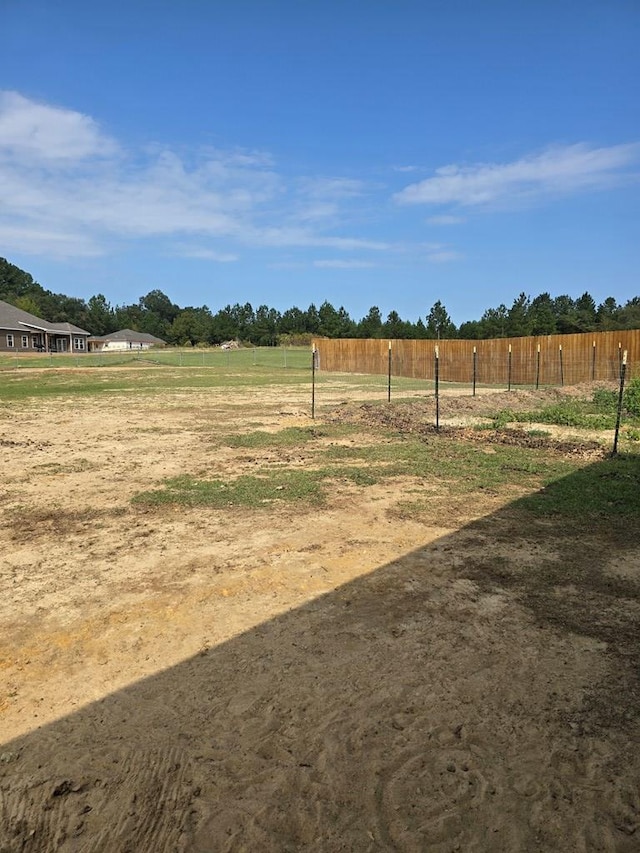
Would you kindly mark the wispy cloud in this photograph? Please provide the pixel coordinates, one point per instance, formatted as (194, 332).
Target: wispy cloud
(560, 170)
(343, 264)
(444, 256)
(47, 133)
(68, 188)
(202, 253)
(440, 253)
(30, 239)
(445, 219)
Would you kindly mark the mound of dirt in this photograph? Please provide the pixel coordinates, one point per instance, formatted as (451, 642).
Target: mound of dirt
(467, 417)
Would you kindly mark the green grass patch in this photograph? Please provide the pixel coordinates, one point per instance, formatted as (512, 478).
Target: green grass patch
(464, 466)
(254, 492)
(457, 467)
(607, 489)
(16, 386)
(259, 491)
(599, 413)
(571, 413)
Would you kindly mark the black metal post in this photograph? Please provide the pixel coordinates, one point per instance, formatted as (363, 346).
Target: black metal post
(509, 371)
(623, 370)
(593, 363)
(561, 367)
(389, 376)
(475, 369)
(619, 359)
(437, 384)
(538, 369)
(313, 383)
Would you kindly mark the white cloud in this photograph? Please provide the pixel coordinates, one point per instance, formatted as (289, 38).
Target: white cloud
(285, 236)
(48, 133)
(30, 240)
(557, 171)
(77, 191)
(445, 219)
(440, 253)
(443, 256)
(330, 188)
(205, 254)
(343, 264)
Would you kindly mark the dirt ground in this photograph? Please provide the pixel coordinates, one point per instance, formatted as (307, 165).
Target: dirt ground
(282, 680)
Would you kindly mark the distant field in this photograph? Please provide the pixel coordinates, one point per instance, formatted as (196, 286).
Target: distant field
(142, 372)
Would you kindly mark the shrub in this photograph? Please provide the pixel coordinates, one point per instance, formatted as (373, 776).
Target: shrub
(605, 401)
(632, 397)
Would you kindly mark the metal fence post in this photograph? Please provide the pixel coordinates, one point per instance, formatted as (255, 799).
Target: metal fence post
(623, 370)
(389, 376)
(313, 383)
(437, 384)
(561, 366)
(475, 369)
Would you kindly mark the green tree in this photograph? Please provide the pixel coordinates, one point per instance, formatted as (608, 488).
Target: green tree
(329, 321)
(470, 331)
(629, 315)
(265, 327)
(224, 326)
(608, 315)
(371, 325)
(243, 316)
(420, 330)
(27, 303)
(518, 321)
(439, 323)
(565, 310)
(128, 317)
(493, 322)
(100, 316)
(312, 320)
(157, 313)
(542, 315)
(293, 322)
(191, 326)
(585, 313)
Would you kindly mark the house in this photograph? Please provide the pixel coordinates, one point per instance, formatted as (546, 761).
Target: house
(23, 332)
(125, 339)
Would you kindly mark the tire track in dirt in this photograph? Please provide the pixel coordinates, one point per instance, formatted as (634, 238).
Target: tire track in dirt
(146, 803)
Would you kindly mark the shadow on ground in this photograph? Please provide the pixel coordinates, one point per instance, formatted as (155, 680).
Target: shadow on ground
(479, 694)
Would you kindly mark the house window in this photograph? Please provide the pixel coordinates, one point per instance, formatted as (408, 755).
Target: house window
(78, 343)
(25, 341)
(36, 342)
(9, 340)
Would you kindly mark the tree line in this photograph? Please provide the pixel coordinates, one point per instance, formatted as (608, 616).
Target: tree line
(156, 314)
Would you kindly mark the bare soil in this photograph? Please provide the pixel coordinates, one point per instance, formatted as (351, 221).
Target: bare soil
(343, 679)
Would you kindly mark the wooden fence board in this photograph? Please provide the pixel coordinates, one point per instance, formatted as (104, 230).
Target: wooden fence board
(548, 360)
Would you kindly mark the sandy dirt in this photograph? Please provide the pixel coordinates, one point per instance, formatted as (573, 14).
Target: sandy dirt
(282, 679)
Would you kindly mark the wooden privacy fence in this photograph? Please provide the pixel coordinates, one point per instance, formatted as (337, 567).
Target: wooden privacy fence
(548, 360)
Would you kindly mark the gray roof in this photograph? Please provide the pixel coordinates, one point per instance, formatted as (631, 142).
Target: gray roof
(129, 335)
(21, 321)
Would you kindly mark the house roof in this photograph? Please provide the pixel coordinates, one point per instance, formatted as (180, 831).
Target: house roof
(21, 321)
(130, 335)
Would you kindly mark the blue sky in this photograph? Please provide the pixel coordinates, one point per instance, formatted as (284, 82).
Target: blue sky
(280, 152)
